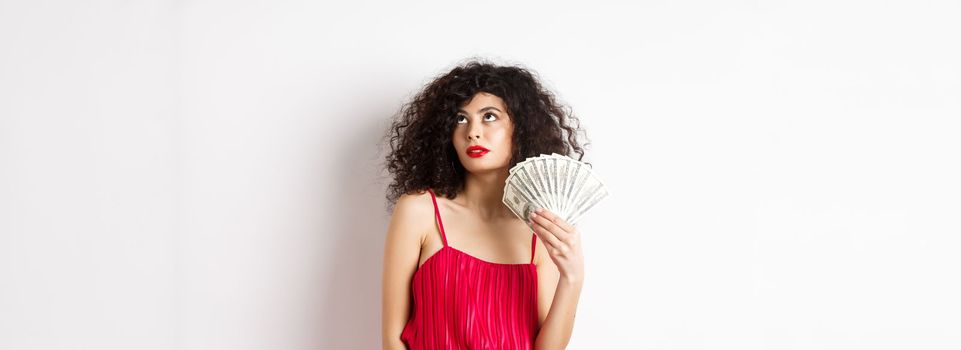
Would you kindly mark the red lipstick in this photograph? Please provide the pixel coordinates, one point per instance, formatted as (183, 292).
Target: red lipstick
(476, 151)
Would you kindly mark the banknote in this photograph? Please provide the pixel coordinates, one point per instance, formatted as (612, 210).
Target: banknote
(567, 187)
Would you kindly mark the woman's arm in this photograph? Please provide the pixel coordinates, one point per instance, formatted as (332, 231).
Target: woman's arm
(560, 279)
(405, 233)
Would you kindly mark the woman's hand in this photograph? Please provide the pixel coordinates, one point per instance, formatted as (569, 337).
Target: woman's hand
(563, 243)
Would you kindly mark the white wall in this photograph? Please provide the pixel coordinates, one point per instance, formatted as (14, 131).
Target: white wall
(89, 190)
(204, 174)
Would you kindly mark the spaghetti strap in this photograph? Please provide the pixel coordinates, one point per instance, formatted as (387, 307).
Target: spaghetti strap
(533, 244)
(443, 236)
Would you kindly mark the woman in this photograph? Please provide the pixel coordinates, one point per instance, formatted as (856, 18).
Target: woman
(460, 270)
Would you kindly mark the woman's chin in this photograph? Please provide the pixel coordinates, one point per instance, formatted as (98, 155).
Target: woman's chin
(478, 169)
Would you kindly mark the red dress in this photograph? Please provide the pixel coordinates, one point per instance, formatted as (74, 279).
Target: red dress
(463, 302)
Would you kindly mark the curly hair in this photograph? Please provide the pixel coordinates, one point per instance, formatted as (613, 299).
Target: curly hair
(422, 153)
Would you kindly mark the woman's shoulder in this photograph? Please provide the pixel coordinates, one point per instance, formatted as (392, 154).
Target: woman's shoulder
(414, 198)
(414, 207)
(412, 219)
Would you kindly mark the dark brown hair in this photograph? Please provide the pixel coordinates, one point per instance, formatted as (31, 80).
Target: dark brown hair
(422, 154)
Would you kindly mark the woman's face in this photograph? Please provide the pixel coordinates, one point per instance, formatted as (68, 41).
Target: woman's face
(484, 122)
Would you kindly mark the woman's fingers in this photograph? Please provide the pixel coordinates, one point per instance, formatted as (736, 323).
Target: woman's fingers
(546, 236)
(554, 224)
(551, 229)
(556, 220)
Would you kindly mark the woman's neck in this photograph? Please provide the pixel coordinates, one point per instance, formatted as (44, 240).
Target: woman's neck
(483, 193)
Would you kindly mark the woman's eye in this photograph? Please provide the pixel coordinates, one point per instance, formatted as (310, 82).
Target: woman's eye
(463, 119)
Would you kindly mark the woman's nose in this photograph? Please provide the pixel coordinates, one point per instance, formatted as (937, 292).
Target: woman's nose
(474, 132)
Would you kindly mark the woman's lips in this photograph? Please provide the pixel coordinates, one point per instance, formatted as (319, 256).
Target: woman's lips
(477, 154)
(476, 151)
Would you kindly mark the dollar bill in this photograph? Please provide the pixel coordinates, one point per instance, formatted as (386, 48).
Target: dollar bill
(561, 184)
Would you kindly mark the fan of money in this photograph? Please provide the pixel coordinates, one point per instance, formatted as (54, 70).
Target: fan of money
(561, 184)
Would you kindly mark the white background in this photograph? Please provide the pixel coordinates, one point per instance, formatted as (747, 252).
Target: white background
(205, 174)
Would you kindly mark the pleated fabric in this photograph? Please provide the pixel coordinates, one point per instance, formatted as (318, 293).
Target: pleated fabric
(462, 302)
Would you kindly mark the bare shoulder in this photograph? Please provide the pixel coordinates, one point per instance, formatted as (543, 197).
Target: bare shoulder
(412, 215)
(414, 203)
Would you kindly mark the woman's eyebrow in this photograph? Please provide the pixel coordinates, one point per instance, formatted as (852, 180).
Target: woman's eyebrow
(482, 110)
